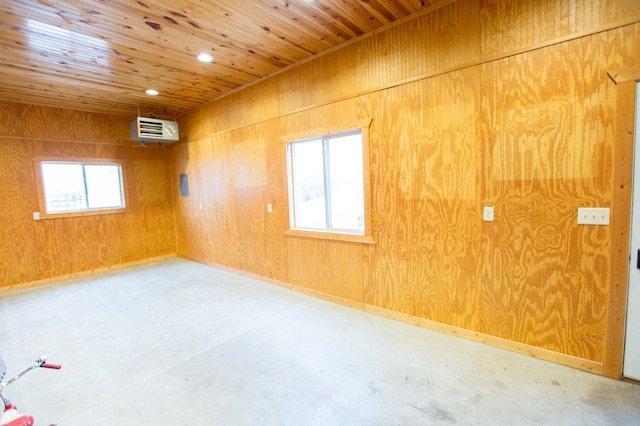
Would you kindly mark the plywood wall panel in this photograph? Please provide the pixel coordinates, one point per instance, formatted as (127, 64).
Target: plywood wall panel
(493, 103)
(333, 268)
(45, 249)
(37, 122)
(440, 40)
(249, 179)
(453, 36)
(512, 25)
(537, 126)
(16, 246)
(425, 232)
(552, 280)
(550, 152)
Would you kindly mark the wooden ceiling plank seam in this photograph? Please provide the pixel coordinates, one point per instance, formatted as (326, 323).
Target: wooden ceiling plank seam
(127, 54)
(281, 30)
(303, 21)
(72, 103)
(337, 27)
(250, 72)
(263, 57)
(118, 53)
(346, 13)
(256, 34)
(162, 43)
(40, 100)
(123, 111)
(163, 75)
(379, 11)
(309, 34)
(132, 86)
(78, 86)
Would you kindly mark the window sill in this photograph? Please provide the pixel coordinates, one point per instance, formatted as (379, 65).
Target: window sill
(84, 213)
(320, 235)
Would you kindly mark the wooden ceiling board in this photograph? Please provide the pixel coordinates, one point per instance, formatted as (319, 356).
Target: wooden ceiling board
(119, 30)
(100, 56)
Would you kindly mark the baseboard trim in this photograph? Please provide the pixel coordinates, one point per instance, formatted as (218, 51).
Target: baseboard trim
(498, 342)
(298, 289)
(59, 278)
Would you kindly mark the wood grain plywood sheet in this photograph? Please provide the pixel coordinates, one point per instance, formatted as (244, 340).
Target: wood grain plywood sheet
(333, 268)
(18, 253)
(56, 124)
(549, 132)
(544, 276)
(510, 107)
(33, 251)
(512, 25)
(551, 113)
(438, 40)
(425, 168)
(248, 163)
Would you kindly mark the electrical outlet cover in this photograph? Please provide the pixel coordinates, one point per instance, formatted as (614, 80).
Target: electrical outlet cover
(593, 216)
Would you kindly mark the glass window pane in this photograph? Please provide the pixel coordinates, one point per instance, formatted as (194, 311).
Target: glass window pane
(104, 188)
(346, 183)
(308, 184)
(63, 187)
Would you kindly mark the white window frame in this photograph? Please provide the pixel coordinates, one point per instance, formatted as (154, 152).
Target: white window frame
(333, 234)
(42, 204)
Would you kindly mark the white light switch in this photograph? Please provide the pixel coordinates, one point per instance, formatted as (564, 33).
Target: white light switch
(487, 215)
(200, 206)
(593, 216)
(36, 215)
(269, 208)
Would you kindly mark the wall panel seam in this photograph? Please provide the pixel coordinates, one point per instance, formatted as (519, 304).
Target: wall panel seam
(471, 64)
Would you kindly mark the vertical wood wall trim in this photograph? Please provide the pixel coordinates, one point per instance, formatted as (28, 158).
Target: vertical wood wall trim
(620, 227)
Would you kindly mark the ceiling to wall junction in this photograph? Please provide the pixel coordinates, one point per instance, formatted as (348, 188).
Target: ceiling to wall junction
(101, 56)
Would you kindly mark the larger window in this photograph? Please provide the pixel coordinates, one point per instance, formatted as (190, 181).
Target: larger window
(80, 187)
(328, 184)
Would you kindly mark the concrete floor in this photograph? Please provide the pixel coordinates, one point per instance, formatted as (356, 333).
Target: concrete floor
(178, 343)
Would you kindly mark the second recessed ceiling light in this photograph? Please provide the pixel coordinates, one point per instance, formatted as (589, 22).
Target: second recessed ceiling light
(205, 57)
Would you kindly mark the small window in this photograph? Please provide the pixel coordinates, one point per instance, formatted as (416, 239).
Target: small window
(74, 187)
(327, 184)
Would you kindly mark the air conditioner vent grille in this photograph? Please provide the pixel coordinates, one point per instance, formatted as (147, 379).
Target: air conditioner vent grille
(150, 128)
(154, 130)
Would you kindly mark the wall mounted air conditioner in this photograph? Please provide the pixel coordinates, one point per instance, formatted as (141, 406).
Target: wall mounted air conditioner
(147, 130)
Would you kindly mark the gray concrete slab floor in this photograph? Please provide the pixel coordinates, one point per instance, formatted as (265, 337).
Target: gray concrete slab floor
(179, 343)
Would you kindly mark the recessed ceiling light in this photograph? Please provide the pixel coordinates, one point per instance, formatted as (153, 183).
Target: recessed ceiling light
(205, 57)
(151, 92)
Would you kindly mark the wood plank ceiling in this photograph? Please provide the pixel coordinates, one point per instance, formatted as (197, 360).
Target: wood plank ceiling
(101, 55)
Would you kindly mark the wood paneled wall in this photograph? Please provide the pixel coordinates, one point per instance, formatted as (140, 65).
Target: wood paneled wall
(479, 103)
(41, 251)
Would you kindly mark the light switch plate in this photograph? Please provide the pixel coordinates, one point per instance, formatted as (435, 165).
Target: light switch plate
(487, 214)
(593, 216)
